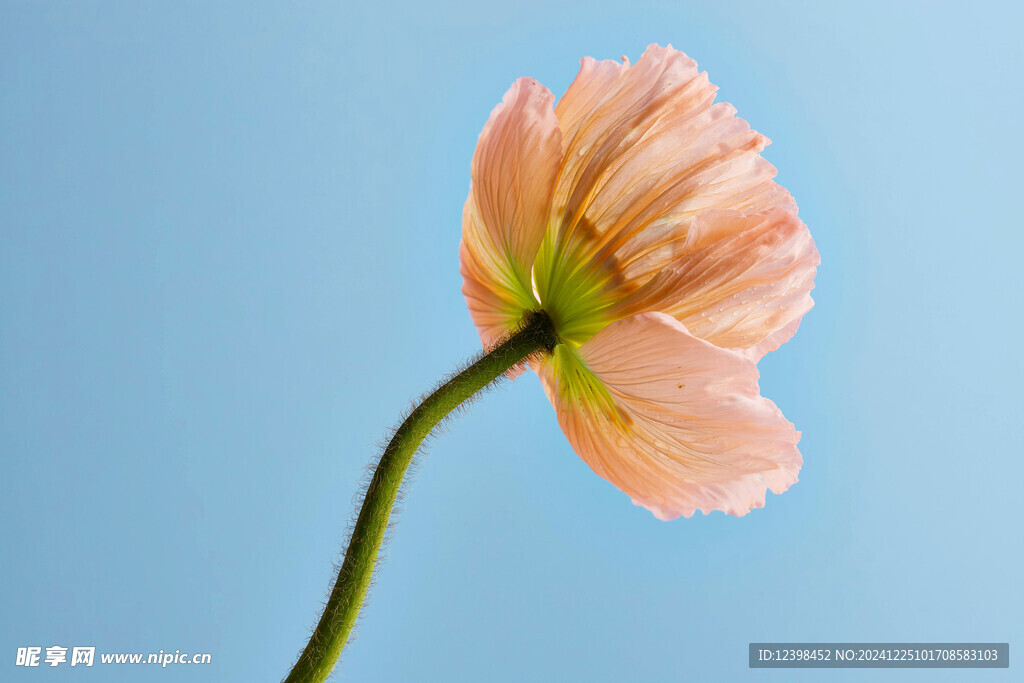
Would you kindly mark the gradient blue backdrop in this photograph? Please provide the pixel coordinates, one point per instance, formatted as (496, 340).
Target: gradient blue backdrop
(228, 260)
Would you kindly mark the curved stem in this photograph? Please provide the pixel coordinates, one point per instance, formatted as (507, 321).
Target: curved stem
(534, 335)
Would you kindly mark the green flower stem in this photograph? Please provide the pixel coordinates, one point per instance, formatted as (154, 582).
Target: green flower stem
(534, 335)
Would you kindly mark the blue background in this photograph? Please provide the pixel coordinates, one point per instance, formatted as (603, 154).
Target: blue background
(228, 260)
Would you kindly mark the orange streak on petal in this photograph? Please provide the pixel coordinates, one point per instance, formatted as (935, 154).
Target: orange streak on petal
(744, 282)
(647, 150)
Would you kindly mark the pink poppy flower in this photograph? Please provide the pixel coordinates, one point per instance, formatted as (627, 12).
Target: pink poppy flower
(641, 218)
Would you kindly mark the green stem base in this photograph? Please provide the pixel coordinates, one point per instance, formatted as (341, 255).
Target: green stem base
(534, 335)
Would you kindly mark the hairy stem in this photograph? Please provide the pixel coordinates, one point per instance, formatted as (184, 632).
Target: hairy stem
(535, 335)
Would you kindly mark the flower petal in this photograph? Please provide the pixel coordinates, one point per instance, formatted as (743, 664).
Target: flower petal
(646, 150)
(504, 220)
(673, 421)
(744, 282)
